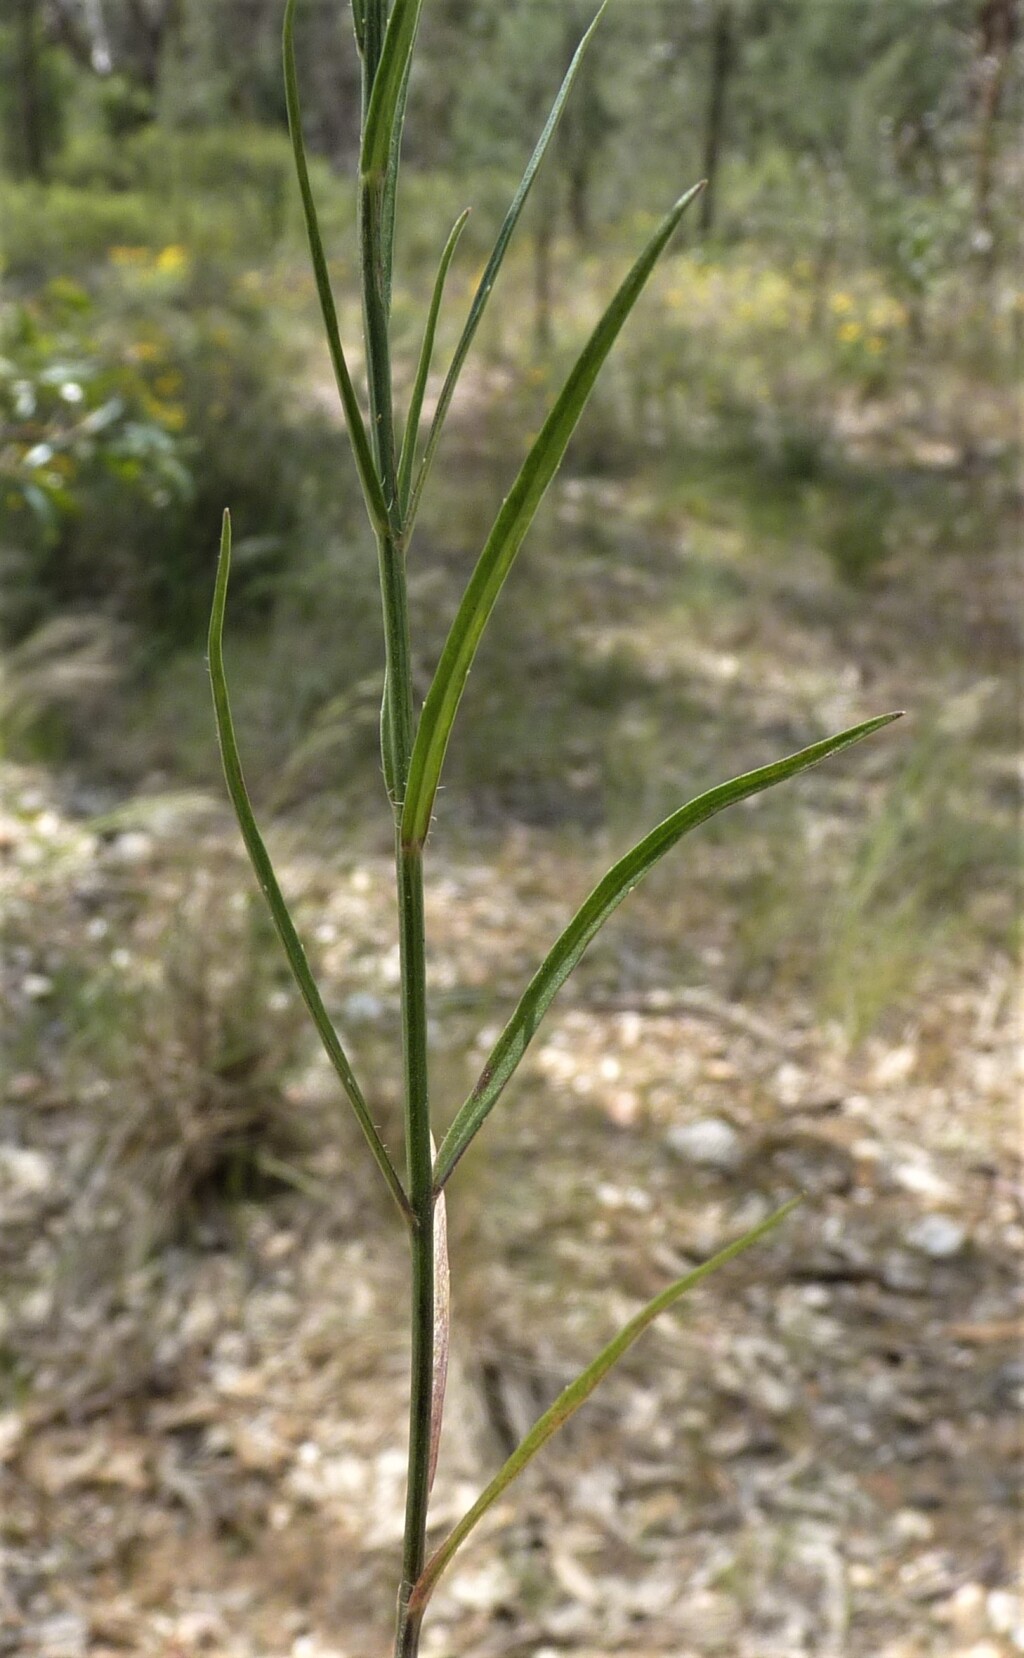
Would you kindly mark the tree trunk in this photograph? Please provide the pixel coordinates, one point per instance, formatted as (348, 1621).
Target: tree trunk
(33, 137)
(722, 58)
(543, 276)
(584, 129)
(152, 27)
(997, 31)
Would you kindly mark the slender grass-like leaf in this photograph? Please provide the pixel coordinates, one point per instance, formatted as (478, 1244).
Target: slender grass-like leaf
(412, 425)
(375, 502)
(359, 24)
(261, 863)
(390, 194)
(605, 898)
(570, 1400)
(382, 117)
(493, 266)
(506, 537)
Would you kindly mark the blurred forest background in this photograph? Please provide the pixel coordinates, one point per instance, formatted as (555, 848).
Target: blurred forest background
(794, 502)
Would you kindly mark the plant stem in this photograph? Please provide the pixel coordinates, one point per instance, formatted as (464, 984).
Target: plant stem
(396, 712)
(396, 743)
(421, 1194)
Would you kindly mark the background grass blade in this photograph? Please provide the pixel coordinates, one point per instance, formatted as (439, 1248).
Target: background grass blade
(493, 266)
(505, 539)
(605, 898)
(260, 860)
(412, 425)
(386, 99)
(376, 505)
(570, 1400)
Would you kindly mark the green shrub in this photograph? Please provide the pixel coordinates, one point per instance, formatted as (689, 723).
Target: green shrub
(60, 230)
(129, 412)
(86, 437)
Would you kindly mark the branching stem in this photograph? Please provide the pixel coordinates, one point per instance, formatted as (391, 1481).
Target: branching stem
(396, 746)
(413, 750)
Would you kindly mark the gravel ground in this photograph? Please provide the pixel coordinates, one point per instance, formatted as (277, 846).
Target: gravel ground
(201, 1417)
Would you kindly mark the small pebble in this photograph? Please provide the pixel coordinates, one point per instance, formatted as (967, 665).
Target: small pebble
(940, 1237)
(1006, 1615)
(24, 1172)
(709, 1143)
(912, 1526)
(362, 1008)
(132, 847)
(902, 1273)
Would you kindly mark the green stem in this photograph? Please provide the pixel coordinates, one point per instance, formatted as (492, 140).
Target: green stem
(396, 741)
(421, 1196)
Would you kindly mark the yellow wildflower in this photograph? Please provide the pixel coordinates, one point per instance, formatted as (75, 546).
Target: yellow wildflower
(849, 332)
(841, 304)
(172, 261)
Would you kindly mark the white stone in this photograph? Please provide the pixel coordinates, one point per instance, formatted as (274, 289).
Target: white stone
(709, 1143)
(940, 1237)
(23, 1173)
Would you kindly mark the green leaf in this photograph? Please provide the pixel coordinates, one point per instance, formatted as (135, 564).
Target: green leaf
(493, 266)
(376, 505)
(570, 1400)
(386, 97)
(260, 860)
(389, 202)
(412, 424)
(605, 898)
(506, 537)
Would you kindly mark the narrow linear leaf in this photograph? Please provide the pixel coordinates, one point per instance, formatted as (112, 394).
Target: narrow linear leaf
(260, 860)
(359, 24)
(412, 425)
(376, 505)
(389, 204)
(594, 912)
(569, 1401)
(505, 539)
(386, 97)
(442, 1326)
(494, 263)
(374, 21)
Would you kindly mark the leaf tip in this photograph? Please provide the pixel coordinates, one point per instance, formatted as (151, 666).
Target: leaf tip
(224, 556)
(683, 202)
